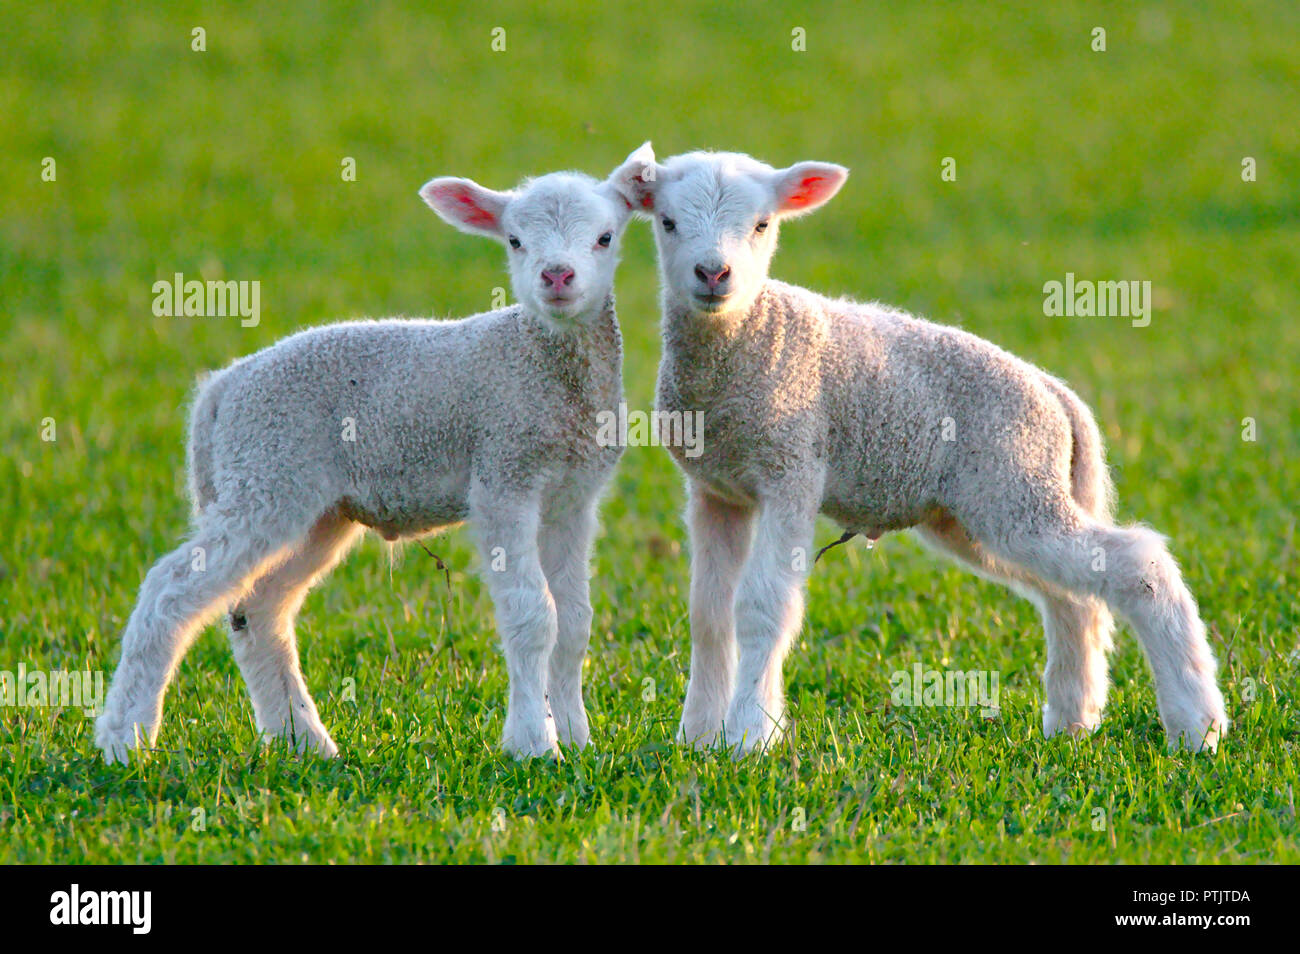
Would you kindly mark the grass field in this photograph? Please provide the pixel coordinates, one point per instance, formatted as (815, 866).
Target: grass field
(1122, 164)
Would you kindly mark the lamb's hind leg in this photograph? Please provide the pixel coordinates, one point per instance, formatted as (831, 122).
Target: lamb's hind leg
(1129, 568)
(1076, 677)
(1078, 630)
(180, 593)
(266, 648)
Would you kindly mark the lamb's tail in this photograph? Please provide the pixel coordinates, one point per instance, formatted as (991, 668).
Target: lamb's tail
(203, 417)
(1089, 476)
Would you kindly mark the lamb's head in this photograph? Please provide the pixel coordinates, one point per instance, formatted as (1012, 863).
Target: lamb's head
(716, 218)
(561, 232)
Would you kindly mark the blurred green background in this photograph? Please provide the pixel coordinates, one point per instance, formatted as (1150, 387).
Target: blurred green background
(1122, 164)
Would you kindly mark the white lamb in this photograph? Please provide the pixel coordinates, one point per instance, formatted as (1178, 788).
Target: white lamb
(406, 427)
(882, 422)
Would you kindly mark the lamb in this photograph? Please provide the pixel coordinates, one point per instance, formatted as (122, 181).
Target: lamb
(406, 427)
(882, 422)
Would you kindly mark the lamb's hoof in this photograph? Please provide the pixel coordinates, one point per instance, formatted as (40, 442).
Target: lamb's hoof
(699, 735)
(304, 734)
(1196, 720)
(117, 740)
(523, 753)
(315, 741)
(1200, 735)
(1056, 722)
(572, 731)
(750, 743)
(751, 733)
(575, 742)
(540, 743)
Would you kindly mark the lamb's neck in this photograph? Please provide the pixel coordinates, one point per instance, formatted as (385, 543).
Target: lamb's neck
(703, 338)
(588, 353)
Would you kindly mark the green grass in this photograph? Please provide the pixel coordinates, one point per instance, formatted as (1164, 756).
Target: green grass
(1122, 164)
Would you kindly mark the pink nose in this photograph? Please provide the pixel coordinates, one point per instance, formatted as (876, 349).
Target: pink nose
(557, 275)
(712, 276)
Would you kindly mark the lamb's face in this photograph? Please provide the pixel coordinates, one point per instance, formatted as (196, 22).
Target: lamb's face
(561, 232)
(715, 225)
(716, 218)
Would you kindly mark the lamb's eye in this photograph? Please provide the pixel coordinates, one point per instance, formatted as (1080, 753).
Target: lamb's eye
(605, 239)
(669, 224)
(515, 243)
(761, 226)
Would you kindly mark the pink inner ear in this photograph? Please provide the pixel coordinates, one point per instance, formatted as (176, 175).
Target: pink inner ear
(808, 191)
(468, 211)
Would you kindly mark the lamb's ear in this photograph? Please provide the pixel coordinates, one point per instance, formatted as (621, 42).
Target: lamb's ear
(467, 205)
(807, 185)
(637, 179)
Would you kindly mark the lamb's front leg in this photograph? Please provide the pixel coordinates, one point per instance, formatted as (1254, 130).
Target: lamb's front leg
(769, 612)
(720, 541)
(565, 543)
(525, 612)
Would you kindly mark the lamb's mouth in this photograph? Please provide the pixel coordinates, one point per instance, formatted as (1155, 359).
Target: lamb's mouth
(711, 302)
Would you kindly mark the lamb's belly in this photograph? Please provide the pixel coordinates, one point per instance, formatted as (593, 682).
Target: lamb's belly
(870, 521)
(411, 507)
(876, 506)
